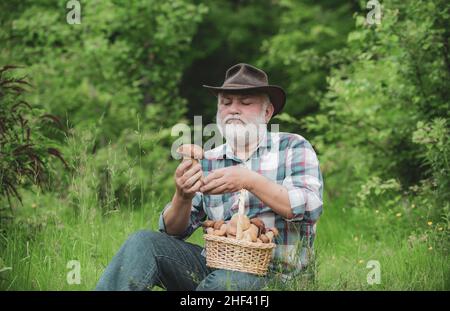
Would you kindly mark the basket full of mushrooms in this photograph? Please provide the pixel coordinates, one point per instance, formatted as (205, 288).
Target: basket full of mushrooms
(241, 244)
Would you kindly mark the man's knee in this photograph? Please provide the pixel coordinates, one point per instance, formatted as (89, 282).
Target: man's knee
(146, 239)
(144, 236)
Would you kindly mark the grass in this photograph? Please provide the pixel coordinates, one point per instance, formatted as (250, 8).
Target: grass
(347, 241)
(35, 250)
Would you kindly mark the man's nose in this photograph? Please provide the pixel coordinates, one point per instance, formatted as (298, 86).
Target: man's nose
(234, 107)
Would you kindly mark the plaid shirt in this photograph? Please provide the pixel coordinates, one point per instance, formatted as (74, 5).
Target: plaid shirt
(287, 159)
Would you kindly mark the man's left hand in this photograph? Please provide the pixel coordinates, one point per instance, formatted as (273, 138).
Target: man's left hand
(225, 180)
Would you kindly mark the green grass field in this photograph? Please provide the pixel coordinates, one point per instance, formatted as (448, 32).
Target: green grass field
(46, 236)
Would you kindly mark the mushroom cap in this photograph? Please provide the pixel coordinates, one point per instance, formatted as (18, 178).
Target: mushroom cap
(253, 230)
(245, 221)
(231, 230)
(264, 238)
(259, 223)
(208, 223)
(274, 230)
(190, 151)
(249, 236)
(221, 231)
(218, 224)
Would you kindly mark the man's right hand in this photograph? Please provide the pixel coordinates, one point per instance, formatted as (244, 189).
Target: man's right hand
(188, 179)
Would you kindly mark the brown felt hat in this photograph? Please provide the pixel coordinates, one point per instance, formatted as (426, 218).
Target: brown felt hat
(245, 77)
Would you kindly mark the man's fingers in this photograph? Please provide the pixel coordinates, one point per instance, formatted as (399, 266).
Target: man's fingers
(192, 180)
(212, 185)
(219, 190)
(195, 187)
(182, 167)
(192, 171)
(213, 175)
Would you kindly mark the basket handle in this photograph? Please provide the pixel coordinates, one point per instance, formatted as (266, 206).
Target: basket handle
(241, 212)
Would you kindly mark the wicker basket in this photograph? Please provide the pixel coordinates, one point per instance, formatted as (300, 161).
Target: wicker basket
(237, 255)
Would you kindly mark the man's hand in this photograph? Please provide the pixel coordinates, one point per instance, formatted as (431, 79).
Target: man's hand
(187, 179)
(228, 179)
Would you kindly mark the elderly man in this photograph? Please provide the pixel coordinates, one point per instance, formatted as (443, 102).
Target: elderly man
(281, 173)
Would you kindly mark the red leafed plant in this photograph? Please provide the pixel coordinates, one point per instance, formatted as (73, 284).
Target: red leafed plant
(24, 149)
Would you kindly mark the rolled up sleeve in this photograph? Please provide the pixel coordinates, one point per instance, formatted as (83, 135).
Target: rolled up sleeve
(304, 182)
(195, 220)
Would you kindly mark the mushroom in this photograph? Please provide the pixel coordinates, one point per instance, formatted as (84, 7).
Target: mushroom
(247, 236)
(245, 221)
(264, 238)
(193, 152)
(221, 231)
(231, 236)
(233, 220)
(252, 232)
(260, 224)
(189, 151)
(275, 231)
(209, 230)
(271, 233)
(218, 224)
(231, 230)
(208, 223)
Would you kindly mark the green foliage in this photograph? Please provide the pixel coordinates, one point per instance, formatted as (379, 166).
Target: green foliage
(433, 137)
(231, 32)
(124, 59)
(300, 55)
(382, 128)
(375, 102)
(116, 73)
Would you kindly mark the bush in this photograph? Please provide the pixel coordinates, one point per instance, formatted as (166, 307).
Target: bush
(115, 74)
(382, 130)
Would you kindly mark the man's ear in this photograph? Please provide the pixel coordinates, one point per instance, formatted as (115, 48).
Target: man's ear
(269, 112)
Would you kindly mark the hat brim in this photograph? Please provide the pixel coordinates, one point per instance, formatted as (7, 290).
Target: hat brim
(276, 93)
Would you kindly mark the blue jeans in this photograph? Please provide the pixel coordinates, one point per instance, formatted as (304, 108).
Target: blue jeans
(151, 258)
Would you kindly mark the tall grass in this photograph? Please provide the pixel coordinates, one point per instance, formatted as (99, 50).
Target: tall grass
(39, 257)
(38, 248)
(52, 228)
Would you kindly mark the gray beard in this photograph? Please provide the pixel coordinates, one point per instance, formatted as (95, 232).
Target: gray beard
(240, 136)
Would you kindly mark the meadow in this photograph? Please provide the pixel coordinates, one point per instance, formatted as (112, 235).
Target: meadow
(89, 109)
(49, 235)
